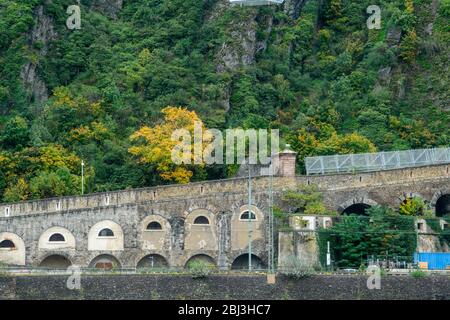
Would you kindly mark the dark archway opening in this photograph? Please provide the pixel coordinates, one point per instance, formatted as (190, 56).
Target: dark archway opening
(200, 258)
(359, 209)
(241, 262)
(201, 220)
(55, 261)
(105, 262)
(106, 233)
(443, 206)
(56, 237)
(152, 261)
(7, 244)
(246, 216)
(154, 226)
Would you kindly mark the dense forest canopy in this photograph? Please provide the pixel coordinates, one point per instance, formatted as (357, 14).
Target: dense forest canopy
(310, 68)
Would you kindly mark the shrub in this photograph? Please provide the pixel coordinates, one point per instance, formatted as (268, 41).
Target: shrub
(200, 269)
(296, 269)
(418, 274)
(414, 206)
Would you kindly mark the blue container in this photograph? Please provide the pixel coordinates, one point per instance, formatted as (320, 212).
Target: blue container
(436, 260)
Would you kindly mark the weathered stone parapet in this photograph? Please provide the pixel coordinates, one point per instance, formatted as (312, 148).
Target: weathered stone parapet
(402, 179)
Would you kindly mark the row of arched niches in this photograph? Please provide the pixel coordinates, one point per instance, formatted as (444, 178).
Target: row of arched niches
(201, 234)
(57, 245)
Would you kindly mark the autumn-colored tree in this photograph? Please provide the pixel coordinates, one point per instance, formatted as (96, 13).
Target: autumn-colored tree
(56, 156)
(324, 140)
(414, 206)
(409, 47)
(157, 146)
(17, 191)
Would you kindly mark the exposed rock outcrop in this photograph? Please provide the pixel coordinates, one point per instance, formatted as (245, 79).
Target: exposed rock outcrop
(294, 7)
(110, 8)
(42, 33)
(394, 35)
(239, 51)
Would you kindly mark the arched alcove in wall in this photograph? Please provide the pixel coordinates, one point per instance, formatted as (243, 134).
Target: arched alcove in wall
(200, 231)
(152, 261)
(202, 258)
(105, 235)
(241, 224)
(242, 262)
(55, 261)
(55, 238)
(155, 232)
(105, 262)
(12, 249)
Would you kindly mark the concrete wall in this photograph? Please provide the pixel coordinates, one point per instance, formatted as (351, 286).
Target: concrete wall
(155, 287)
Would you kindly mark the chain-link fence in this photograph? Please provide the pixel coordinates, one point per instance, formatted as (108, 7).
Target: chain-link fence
(256, 2)
(366, 162)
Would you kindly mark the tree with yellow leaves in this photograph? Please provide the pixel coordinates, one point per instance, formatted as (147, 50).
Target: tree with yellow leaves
(155, 145)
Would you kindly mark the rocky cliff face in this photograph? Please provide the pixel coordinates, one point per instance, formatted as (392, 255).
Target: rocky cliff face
(294, 7)
(41, 34)
(243, 46)
(110, 8)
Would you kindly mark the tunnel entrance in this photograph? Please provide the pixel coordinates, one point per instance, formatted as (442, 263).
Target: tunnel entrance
(443, 206)
(55, 261)
(359, 209)
(241, 262)
(152, 261)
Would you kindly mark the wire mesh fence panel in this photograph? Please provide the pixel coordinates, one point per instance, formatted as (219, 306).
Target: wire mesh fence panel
(255, 2)
(367, 162)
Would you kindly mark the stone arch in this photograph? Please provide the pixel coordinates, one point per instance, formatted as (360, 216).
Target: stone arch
(240, 227)
(105, 262)
(441, 203)
(241, 262)
(13, 255)
(201, 257)
(55, 261)
(152, 261)
(442, 207)
(200, 236)
(45, 243)
(97, 242)
(153, 238)
(358, 204)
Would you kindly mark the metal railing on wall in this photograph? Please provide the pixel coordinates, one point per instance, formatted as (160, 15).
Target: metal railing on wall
(367, 162)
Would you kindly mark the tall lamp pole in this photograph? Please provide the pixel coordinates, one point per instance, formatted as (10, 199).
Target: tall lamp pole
(249, 219)
(82, 177)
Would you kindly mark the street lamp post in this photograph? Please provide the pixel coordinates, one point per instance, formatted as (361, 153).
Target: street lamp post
(249, 218)
(82, 177)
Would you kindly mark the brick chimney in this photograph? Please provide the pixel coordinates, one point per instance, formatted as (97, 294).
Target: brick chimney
(284, 162)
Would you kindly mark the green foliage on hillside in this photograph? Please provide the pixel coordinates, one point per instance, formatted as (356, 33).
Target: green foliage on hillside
(327, 82)
(380, 235)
